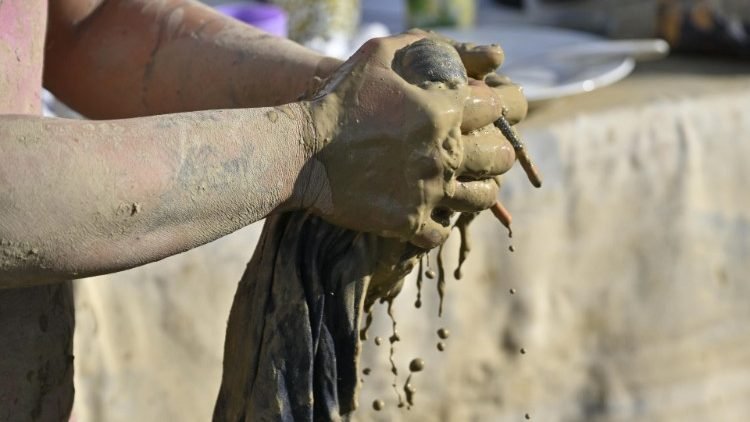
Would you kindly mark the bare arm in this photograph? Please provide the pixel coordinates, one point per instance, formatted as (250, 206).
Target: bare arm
(125, 58)
(82, 198)
(371, 152)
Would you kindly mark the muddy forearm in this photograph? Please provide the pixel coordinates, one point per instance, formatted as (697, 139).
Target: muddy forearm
(128, 58)
(82, 198)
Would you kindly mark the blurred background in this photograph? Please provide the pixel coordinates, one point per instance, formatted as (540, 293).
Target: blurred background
(630, 273)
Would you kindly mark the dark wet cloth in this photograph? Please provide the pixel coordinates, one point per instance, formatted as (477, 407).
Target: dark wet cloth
(292, 338)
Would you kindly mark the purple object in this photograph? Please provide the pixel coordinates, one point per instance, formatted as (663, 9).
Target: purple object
(267, 17)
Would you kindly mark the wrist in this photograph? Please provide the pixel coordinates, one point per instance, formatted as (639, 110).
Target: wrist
(310, 181)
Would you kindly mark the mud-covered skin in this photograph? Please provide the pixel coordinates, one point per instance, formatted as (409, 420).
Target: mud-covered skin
(122, 193)
(433, 149)
(82, 198)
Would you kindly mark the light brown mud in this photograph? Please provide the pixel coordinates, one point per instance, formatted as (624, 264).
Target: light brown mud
(363, 331)
(393, 339)
(418, 302)
(441, 280)
(409, 391)
(443, 333)
(463, 222)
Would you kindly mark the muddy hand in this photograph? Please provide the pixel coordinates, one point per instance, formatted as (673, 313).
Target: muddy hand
(404, 138)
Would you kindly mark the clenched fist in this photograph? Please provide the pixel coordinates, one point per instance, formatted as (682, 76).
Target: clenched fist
(403, 136)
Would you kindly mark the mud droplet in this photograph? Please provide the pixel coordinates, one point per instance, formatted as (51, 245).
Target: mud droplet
(366, 371)
(443, 333)
(418, 302)
(511, 248)
(429, 273)
(463, 226)
(378, 405)
(441, 346)
(363, 331)
(512, 291)
(523, 351)
(527, 416)
(393, 339)
(409, 392)
(378, 341)
(398, 393)
(416, 365)
(441, 280)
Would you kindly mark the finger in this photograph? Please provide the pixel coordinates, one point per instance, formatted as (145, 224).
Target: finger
(480, 60)
(472, 196)
(486, 154)
(434, 231)
(486, 104)
(515, 106)
(482, 107)
(495, 80)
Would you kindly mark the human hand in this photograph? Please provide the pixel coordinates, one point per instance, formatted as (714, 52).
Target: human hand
(404, 138)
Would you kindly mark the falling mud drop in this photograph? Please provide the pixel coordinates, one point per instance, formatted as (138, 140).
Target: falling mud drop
(398, 393)
(416, 365)
(463, 225)
(441, 346)
(366, 371)
(511, 248)
(527, 416)
(378, 340)
(430, 273)
(393, 339)
(512, 291)
(441, 280)
(409, 391)
(443, 333)
(523, 351)
(378, 405)
(363, 331)
(418, 302)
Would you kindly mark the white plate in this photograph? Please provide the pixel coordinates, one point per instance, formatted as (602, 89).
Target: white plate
(522, 42)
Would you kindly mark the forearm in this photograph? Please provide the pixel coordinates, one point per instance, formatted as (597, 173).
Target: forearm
(128, 58)
(83, 198)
